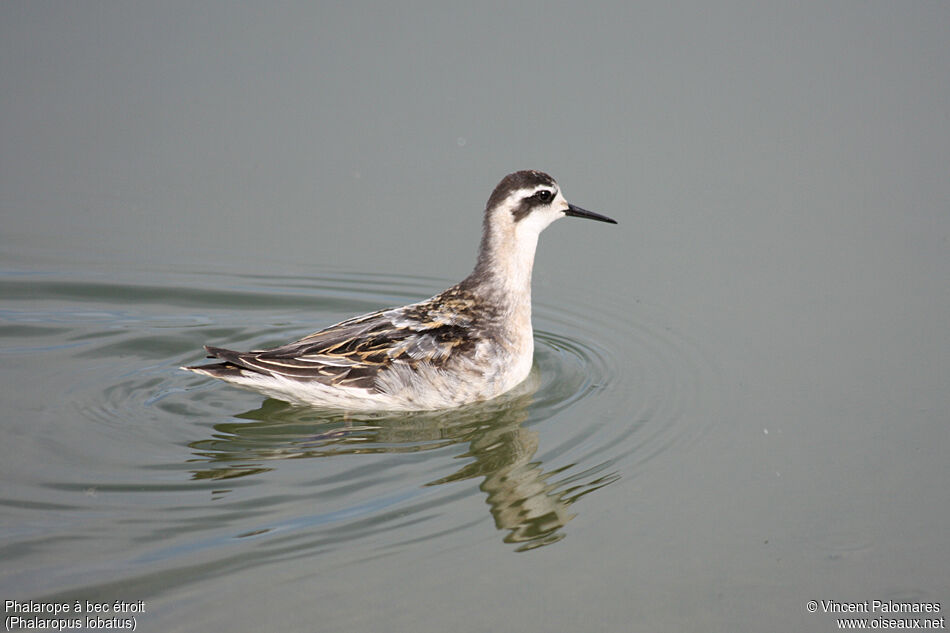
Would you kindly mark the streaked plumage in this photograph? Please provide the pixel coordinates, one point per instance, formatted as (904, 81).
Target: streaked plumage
(471, 342)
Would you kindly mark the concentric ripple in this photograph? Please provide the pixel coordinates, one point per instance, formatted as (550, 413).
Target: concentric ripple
(608, 393)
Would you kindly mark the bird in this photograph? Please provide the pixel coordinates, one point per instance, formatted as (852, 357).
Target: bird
(469, 343)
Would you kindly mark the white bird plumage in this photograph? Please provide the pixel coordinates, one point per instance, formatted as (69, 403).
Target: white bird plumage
(471, 342)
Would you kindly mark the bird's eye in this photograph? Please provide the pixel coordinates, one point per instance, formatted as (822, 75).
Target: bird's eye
(544, 195)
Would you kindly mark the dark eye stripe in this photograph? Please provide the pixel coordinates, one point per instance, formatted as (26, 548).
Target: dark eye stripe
(529, 203)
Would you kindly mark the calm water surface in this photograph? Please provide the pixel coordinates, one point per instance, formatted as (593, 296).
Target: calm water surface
(741, 393)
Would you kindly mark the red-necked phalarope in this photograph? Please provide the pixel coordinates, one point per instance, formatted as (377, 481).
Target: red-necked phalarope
(472, 342)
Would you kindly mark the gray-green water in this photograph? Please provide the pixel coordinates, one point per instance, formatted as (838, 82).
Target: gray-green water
(741, 395)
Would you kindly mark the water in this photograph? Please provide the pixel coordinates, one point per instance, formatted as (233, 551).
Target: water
(740, 396)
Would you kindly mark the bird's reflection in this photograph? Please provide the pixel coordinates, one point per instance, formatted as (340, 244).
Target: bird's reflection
(523, 499)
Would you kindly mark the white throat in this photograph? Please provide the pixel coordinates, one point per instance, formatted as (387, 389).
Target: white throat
(508, 248)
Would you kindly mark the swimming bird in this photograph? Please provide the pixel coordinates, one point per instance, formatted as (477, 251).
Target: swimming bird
(469, 343)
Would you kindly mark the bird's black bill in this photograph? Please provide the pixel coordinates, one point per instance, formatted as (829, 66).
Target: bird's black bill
(577, 212)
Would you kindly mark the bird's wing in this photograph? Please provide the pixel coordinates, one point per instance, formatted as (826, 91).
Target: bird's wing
(353, 352)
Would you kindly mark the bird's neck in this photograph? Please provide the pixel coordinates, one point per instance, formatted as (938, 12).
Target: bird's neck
(503, 270)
